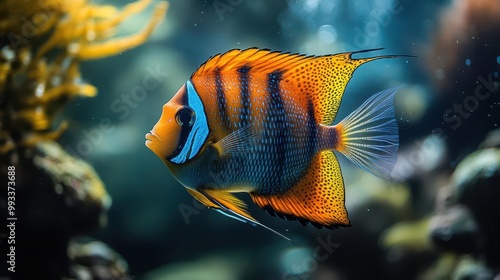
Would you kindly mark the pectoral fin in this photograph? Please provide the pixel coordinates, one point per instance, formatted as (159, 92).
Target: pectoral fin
(240, 141)
(229, 205)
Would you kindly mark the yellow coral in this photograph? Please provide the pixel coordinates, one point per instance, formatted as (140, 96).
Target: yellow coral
(39, 68)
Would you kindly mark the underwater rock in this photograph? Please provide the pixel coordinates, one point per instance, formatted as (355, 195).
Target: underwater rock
(407, 247)
(476, 178)
(476, 182)
(57, 197)
(95, 260)
(409, 235)
(466, 219)
(465, 224)
(443, 268)
(468, 268)
(369, 194)
(454, 229)
(76, 184)
(374, 206)
(228, 267)
(492, 140)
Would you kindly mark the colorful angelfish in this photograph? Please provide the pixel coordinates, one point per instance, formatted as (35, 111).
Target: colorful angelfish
(261, 122)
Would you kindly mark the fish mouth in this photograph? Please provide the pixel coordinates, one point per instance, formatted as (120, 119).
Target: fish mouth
(152, 136)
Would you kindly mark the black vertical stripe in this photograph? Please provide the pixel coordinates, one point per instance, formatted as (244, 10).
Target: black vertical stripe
(278, 115)
(333, 139)
(221, 100)
(313, 130)
(245, 94)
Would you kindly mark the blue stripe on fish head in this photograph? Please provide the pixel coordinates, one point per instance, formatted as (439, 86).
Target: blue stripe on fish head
(192, 137)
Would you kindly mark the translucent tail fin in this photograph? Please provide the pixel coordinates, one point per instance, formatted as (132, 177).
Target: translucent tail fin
(369, 135)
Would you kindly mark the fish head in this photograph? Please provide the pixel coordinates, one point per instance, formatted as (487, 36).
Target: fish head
(182, 129)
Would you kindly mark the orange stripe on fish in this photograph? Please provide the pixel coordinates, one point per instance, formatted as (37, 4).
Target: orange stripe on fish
(260, 122)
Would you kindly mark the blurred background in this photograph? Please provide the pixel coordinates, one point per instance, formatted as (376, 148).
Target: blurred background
(441, 221)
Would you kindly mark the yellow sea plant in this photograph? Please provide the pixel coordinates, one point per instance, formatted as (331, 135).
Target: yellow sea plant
(43, 43)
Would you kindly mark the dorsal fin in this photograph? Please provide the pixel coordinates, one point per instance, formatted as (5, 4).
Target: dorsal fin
(254, 57)
(321, 79)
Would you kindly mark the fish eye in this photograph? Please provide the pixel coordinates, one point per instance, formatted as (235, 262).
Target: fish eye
(185, 116)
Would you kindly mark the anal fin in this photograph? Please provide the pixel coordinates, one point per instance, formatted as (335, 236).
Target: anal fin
(318, 197)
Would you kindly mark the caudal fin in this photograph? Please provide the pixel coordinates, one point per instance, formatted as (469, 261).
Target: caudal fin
(369, 135)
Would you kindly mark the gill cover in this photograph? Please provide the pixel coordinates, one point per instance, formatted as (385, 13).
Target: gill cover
(194, 131)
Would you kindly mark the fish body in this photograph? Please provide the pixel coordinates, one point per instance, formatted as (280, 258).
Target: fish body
(261, 122)
(274, 146)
